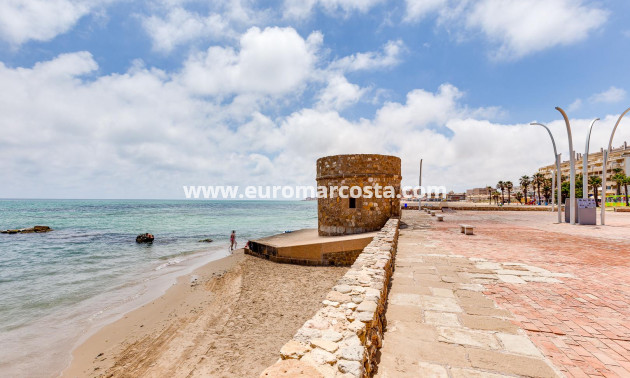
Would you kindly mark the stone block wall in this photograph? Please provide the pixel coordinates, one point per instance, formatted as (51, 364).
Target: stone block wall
(342, 258)
(343, 337)
(335, 216)
(345, 258)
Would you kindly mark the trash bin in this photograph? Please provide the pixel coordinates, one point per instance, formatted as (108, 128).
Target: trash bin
(587, 211)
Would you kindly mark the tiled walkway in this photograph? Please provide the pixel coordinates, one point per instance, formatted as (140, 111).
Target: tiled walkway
(564, 288)
(440, 324)
(581, 324)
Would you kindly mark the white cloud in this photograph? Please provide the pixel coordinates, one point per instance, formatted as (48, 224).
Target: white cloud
(516, 28)
(180, 26)
(69, 132)
(40, 20)
(242, 11)
(418, 9)
(610, 96)
(270, 61)
(522, 27)
(339, 94)
(389, 57)
(422, 109)
(172, 23)
(68, 136)
(575, 105)
(300, 9)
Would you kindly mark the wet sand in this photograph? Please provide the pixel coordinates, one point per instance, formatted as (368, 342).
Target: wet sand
(228, 318)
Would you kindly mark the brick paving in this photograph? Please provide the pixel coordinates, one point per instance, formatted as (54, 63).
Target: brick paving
(440, 323)
(580, 320)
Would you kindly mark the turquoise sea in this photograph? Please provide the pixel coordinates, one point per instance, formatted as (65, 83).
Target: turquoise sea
(58, 287)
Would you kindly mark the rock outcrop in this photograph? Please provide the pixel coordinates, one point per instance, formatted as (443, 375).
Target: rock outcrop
(145, 238)
(35, 229)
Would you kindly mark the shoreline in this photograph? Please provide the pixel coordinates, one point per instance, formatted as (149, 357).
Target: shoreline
(45, 347)
(112, 334)
(63, 287)
(229, 317)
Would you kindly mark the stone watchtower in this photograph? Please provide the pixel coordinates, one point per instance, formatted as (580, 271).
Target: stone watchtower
(357, 214)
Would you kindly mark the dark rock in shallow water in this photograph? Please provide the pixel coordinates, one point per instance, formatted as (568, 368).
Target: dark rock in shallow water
(144, 238)
(36, 229)
(206, 241)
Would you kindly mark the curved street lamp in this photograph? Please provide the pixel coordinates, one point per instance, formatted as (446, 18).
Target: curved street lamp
(420, 188)
(585, 162)
(557, 157)
(573, 214)
(605, 167)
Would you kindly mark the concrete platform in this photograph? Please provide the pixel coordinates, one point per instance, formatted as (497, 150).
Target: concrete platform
(306, 247)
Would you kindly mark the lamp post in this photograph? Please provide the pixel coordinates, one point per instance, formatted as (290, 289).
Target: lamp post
(553, 187)
(585, 162)
(605, 167)
(573, 214)
(557, 159)
(559, 186)
(420, 188)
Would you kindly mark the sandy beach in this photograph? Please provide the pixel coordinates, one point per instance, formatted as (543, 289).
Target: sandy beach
(228, 318)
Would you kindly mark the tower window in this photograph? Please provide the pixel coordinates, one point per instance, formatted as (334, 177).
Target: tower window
(353, 203)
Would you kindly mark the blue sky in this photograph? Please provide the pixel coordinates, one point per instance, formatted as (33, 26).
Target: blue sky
(118, 99)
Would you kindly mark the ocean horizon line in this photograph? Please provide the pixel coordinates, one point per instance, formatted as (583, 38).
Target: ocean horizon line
(161, 199)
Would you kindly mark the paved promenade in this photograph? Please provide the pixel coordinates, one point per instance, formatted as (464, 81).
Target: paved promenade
(520, 297)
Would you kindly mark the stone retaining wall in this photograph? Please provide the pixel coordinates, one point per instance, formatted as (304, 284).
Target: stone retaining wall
(343, 337)
(345, 258)
(271, 254)
(341, 258)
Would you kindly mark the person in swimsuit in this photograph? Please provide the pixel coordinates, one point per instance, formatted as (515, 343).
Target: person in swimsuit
(233, 240)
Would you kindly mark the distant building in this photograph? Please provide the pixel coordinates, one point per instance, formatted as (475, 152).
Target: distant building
(454, 197)
(617, 158)
(477, 195)
(434, 197)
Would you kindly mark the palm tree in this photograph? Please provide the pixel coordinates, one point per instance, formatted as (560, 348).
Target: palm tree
(618, 177)
(537, 181)
(508, 187)
(501, 186)
(626, 181)
(525, 182)
(579, 188)
(496, 195)
(490, 190)
(564, 188)
(519, 196)
(547, 190)
(595, 182)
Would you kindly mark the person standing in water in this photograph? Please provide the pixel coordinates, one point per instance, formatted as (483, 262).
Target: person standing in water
(233, 240)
